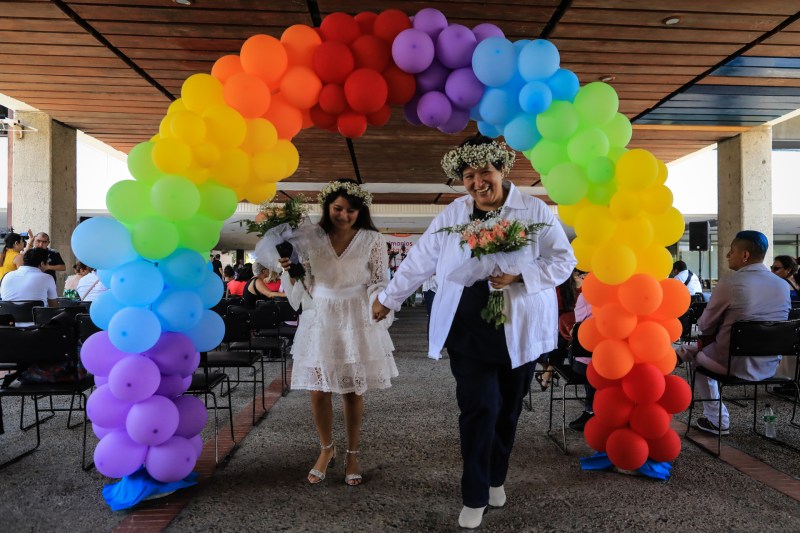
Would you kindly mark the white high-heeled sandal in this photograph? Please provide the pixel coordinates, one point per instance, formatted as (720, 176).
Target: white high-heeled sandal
(348, 478)
(319, 474)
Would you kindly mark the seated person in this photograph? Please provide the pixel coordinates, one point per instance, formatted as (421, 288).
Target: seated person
(682, 273)
(785, 267)
(29, 282)
(581, 360)
(751, 292)
(258, 288)
(243, 275)
(90, 287)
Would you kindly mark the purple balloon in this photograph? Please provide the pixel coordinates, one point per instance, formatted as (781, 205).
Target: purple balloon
(197, 442)
(433, 78)
(105, 409)
(486, 30)
(410, 112)
(174, 353)
(100, 380)
(412, 50)
(434, 109)
(458, 121)
(431, 21)
(152, 421)
(173, 385)
(193, 416)
(98, 354)
(171, 461)
(134, 379)
(455, 45)
(100, 431)
(116, 455)
(463, 89)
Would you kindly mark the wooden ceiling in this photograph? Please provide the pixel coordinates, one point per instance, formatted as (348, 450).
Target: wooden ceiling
(111, 67)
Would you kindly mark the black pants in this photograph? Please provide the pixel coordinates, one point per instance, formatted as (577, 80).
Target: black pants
(588, 403)
(490, 399)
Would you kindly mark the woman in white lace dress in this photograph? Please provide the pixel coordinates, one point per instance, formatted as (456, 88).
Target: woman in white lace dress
(338, 347)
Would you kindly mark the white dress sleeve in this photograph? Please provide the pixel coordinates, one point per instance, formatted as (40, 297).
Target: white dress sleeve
(378, 265)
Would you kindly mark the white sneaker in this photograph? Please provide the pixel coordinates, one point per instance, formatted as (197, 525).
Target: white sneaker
(471, 517)
(497, 496)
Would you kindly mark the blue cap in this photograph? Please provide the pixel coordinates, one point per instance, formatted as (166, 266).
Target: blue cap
(756, 237)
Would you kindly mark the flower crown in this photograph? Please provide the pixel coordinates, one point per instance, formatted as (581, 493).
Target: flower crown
(349, 188)
(473, 155)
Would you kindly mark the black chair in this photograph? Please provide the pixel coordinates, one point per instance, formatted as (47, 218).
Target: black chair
(265, 338)
(203, 383)
(86, 328)
(43, 315)
(21, 310)
(43, 346)
(753, 339)
(69, 302)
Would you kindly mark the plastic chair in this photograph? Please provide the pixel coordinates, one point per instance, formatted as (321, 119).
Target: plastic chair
(21, 310)
(264, 321)
(203, 383)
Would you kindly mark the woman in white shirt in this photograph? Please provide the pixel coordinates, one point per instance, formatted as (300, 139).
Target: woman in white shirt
(90, 287)
(493, 367)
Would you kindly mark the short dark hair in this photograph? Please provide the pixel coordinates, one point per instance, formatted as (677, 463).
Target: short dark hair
(477, 140)
(245, 273)
(680, 266)
(34, 257)
(364, 218)
(227, 271)
(788, 263)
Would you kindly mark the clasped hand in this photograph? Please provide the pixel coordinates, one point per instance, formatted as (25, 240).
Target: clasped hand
(504, 280)
(379, 311)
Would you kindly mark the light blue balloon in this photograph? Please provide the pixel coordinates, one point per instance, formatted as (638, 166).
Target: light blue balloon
(178, 310)
(490, 130)
(137, 283)
(102, 242)
(211, 290)
(494, 61)
(134, 329)
(538, 60)
(208, 333)
(499, 106)
(535, 97)
(475, 113)
(103, 309)
(564, 84)
(183, 269)
(519, 45)
(521, 133)
(105, 276)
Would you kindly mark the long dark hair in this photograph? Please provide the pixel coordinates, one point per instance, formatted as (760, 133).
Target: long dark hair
(569, 292)
(364, 218)
(11, 239)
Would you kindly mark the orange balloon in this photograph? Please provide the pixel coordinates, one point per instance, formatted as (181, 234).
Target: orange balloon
(286, 118)
(247, 94)
(300, 41)
(640, 294)
(674, 328)
(301, 87)
(612, 359)
(648, 342)
(226, 66)
(598, 293)
(588, 335)
(307, 122)
(675, 302)
(666, 364)
(265, 57)
(613, 321)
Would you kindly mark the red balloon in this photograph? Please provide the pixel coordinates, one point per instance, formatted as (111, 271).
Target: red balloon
(389, 23)
(365, 90)
(613, 321)
(379, 117)
(371, 52)
(332, 99)
(641, 294)
(366, 21)
(598, 293)
(650, 421)
(321, 119)
(596, 434)
(665, 448)
(612, 406)
(333, 62)
(644, 384)
(599, 382)
(352, 125)
(340, 27)
(402, 85)
(676, 299)
(626, 449)
(677, 394)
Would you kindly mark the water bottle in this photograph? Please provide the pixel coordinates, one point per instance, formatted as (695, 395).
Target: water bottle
(769, 422)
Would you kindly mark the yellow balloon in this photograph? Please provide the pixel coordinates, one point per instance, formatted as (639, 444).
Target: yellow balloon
(206, 154)
(613, 263)
(226, 127)
(201, 91)
(233, 168)
(289, 153)
(654, 261)
(567, 213)
(595, 225)
(636, 233)
(268, 166)
(197, 174)
(187, 127)
(261, 136)
(175, 106)
(164, 129)
(171, 156)
(669, 227)
(583, 253)
(260, 193)
(625, 205)
(656, 199)
(636, 170)
(663, 172)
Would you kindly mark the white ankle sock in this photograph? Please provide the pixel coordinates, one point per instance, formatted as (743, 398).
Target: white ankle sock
(471, 517)
(497, 496)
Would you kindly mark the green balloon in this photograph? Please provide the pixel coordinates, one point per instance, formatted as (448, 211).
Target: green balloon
(600, 170)
(601, 194)
(558, 122)
(154, 238)
(566, 184)
(175, 198)
(199, 233)
(615, 152)
(129, 201)
(587, 144)
(140, 163)
(217, 201)
(596, 103)
(546, 155)
(619, 130)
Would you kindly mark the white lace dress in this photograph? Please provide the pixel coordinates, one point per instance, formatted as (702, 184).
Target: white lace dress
(338, 347)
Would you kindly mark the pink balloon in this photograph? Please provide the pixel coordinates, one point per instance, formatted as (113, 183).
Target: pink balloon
(152, 421)
(116, 455)
(172, 460)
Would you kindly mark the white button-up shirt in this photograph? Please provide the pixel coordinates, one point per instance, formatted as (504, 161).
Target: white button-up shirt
(531, 306)
(693, 286)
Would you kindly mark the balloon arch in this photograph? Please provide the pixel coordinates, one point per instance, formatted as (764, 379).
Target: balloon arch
(228, 138)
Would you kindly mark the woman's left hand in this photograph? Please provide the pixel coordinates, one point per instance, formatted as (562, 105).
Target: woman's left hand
(504, 280)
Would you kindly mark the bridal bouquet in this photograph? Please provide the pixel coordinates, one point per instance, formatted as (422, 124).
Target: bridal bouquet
(275, 224)
(498, 245)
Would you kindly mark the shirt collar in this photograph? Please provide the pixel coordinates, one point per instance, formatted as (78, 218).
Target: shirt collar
(754, 266)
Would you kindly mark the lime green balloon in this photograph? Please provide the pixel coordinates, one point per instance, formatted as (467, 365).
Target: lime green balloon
(601, 194)
(619, 130)
(546, 155)
(558, 122)
(129, 201)
(587, 144)
(141, 165)
(600, 170)
(216, 201)
(199, 233)
(615, 152)
(566, 184)
(596, 103)
(175, 198)
(154, 238)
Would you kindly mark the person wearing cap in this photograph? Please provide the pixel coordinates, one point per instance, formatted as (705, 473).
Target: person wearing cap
(751, 292)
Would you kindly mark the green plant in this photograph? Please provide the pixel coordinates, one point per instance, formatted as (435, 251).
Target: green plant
(291, 212)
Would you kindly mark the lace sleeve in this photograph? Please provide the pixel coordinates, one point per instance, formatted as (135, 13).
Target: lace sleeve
(378, 261)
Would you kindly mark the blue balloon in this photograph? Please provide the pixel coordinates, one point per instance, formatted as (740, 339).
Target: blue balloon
(521, 133)
(519, 45)
(183, 269)
(494, 61)
(490, 130)
(103, 309)
(564, 85)
(178, 310)
(105, 276)
(538, 60)
(137, 283)
(102, 243)
(134, 329)
(211, 290)
(535, 97)
(208, 333)
(475, 113)
(499, 106)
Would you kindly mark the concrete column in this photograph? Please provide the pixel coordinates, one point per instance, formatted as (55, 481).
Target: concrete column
(44, 183)
(744, 182)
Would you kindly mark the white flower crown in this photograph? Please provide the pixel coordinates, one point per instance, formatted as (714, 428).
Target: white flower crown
(351, 189)
(473, 155)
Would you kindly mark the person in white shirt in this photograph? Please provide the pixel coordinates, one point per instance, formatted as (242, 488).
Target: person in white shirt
(90, 287)
(682, 273)
(493, 367)
(29, 282)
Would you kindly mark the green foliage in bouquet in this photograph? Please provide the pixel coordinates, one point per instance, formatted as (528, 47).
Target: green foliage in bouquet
(291, 212)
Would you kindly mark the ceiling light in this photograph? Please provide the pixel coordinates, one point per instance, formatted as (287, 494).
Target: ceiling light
(671, 21)
(607, 78)
(183, 2)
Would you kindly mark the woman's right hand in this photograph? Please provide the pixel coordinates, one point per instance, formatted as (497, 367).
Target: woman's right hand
(285, 263)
